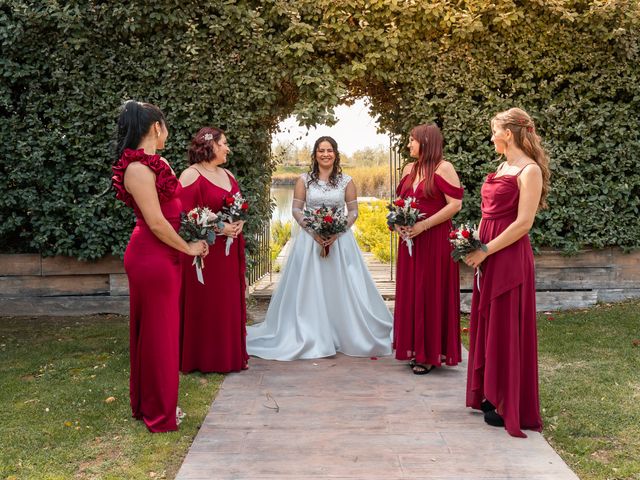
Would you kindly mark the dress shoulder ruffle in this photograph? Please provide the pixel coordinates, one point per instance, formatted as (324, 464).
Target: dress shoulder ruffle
(166, 181)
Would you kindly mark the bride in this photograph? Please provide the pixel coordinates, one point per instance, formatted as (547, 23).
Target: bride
(323, 305)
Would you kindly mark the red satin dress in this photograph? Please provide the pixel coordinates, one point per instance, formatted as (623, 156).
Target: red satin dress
(153, 269)
(427, 307)
(214, 315)
(503, 352)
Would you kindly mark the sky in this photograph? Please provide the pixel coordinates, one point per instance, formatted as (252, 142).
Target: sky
(355, 130)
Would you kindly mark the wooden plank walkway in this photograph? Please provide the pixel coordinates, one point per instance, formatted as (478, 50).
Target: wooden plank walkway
(357, 418)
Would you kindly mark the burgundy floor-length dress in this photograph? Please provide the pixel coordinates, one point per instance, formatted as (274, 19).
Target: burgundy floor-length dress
(427, 307)
(213, 327)
(503, 356)
(153, 269)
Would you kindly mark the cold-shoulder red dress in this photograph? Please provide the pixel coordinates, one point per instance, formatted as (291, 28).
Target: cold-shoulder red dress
(153, 269)
(427, 307)
(503, 355)
(214, 315)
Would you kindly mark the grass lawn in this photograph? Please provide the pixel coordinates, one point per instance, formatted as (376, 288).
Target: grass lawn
(589, 366)
(65, 403)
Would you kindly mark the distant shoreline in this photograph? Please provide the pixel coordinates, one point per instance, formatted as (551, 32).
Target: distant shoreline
(283, 181)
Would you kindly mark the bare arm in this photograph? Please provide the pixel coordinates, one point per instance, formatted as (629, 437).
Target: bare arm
(189, 176)
(452, 207)
(140, 182)
(530, 183)
(530, 190)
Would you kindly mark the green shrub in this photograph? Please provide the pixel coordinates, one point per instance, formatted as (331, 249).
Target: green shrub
(244, 65)
(280, 235)
(371, 230)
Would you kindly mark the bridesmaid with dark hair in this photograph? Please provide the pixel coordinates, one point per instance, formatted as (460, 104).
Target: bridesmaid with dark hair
(427, 307)
(214, 313)
(144, 181)
(502, 377)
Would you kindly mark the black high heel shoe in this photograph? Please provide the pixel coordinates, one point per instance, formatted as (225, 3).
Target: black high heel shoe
(494, 419)
(487, 406)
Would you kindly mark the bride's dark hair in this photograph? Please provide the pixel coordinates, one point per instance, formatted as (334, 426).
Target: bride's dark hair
(315, 169)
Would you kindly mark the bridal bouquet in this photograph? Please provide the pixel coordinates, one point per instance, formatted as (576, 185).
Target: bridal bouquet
(465, 239)
(199, 224)
(235, 208)
(404, 212)
(325, 221)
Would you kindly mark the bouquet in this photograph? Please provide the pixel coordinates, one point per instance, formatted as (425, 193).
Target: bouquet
(404, 213)
(199, 224)
(465, 239)
(325, 221)
(235, 208)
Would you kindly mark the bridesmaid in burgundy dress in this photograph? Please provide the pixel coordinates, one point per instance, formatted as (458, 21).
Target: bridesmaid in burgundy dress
(502, 379)
(144, 180)
(214, 314)
(427, 308)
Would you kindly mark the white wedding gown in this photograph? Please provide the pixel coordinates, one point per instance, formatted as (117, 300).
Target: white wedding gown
(323, 305)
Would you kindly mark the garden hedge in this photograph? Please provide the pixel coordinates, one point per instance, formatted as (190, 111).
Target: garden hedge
(66, 67)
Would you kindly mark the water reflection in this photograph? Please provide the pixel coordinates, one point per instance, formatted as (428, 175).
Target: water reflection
(283, 196)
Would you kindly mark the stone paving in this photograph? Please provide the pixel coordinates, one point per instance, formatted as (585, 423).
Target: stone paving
(357, 418)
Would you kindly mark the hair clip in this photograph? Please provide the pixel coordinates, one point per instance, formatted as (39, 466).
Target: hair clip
(208, 136)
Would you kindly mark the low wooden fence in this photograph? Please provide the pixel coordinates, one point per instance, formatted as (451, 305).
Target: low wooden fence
(32, 285)
(577, 281)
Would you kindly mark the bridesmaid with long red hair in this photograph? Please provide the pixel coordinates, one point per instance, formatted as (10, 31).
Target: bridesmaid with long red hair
(502, 377)
(214, 313)
(427, 307)
(144, 181)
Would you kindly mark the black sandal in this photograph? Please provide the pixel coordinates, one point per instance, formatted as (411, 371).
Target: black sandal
(422, 369)
(412, 363)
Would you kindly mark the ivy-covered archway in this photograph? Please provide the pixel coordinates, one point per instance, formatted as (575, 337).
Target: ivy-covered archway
(245, 65)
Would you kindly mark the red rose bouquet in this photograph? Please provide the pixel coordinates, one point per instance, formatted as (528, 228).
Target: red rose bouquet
(199, 224)
(404, 212)
(234, 208)
(325, 221)
(465, 239)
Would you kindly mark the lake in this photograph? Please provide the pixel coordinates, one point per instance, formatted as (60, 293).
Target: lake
(283, 196)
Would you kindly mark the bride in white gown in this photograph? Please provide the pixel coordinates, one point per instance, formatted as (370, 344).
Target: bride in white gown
(323, 305)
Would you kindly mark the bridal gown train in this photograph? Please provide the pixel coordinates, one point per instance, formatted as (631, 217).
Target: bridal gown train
(323, 305)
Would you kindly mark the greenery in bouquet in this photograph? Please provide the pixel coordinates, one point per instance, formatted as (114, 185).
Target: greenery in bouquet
(200, 224)
(403, 212)
(235, 208)
(465, 239)
(325, 221)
